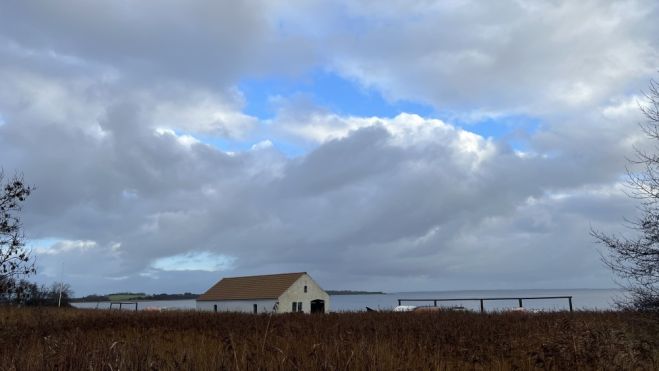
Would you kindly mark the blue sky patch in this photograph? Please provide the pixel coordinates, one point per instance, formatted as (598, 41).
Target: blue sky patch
(44, 243)
(328, 90)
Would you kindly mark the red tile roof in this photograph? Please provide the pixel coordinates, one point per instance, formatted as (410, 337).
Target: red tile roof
(269, 286)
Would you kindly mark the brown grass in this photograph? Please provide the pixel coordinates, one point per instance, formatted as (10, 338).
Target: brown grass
(70, 339)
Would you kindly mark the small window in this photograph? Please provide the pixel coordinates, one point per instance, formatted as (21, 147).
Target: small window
(256, 309)
(305, 288)
(294, 307)
(299, 306)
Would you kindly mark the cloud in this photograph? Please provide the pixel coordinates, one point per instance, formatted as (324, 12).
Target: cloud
(389, 199)
(78, 260)
(115, 111)
(204, 41)
(514, 55)
(189, 261)
(203, 113)
(377, 200)
(65, 247)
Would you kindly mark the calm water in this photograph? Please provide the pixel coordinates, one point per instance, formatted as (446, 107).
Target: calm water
(601, 299)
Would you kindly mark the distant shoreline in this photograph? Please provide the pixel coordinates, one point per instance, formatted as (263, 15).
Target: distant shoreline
(353, 292)
(186, 296)
(129, 297)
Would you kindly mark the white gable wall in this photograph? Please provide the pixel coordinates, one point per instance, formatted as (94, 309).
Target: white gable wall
(246, 306)
(296, 293)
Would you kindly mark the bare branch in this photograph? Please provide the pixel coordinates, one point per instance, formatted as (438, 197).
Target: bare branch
(15, 259)
(636, 260)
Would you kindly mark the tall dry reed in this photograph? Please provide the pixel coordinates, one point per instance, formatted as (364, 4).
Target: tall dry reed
(70, 339)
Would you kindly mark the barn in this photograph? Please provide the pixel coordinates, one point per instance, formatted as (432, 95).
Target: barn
(279, 293)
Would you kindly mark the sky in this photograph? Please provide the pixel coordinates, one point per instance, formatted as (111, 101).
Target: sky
(377, 145)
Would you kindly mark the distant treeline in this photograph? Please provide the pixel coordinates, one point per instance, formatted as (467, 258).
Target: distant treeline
(129, 296)
(24, 293)
(352, 292)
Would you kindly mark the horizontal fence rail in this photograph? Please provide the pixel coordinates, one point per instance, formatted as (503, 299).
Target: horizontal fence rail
(121, 304)
(482, 300)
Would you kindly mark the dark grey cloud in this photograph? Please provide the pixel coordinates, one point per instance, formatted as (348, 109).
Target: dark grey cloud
(209, 42)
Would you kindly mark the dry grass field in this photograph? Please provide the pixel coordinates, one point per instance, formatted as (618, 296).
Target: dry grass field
(70, 339)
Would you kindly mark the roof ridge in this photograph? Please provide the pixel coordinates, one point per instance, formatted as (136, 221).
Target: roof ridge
(265, 275)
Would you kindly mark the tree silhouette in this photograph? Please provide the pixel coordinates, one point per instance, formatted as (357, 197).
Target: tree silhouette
(15, 260)
(636, 260)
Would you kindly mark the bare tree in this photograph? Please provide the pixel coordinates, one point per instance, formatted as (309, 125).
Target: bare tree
(27, 293)
(636, 260)
(15, 260)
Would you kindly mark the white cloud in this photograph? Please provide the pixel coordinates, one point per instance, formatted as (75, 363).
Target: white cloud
(65, 246)
(203, 112)
(185, 140)
(406, 130)
(513, 56)
(195, 261)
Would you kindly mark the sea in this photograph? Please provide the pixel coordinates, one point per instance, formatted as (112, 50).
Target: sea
(582, 299)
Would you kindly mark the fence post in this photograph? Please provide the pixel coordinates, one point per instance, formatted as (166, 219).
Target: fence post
(435, 302)
(482, 308)
(398, 301)
(520, 302)
(569, 298)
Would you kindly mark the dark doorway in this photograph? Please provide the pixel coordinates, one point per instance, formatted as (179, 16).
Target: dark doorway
(256, 308)
(318, 306)
(215, 308)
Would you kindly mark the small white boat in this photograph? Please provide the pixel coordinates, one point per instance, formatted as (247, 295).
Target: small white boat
(405, 308)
